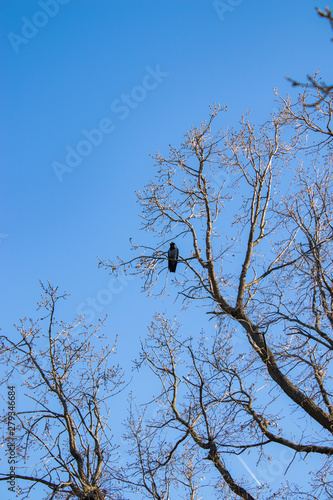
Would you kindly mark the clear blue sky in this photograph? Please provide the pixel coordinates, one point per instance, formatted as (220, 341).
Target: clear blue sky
(142, 72)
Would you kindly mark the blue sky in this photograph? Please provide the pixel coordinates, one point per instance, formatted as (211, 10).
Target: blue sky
(140, 72)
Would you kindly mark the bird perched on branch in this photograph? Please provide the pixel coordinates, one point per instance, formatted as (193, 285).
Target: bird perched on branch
(173, 257)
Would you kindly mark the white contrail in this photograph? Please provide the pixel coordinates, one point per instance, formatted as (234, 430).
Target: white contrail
(248, 469)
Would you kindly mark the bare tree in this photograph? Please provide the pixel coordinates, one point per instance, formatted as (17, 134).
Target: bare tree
(63, 440)
(255, 252)
(322, 90)
(158, 470)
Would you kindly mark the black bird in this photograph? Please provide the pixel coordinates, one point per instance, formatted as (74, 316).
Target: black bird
(173, 257)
